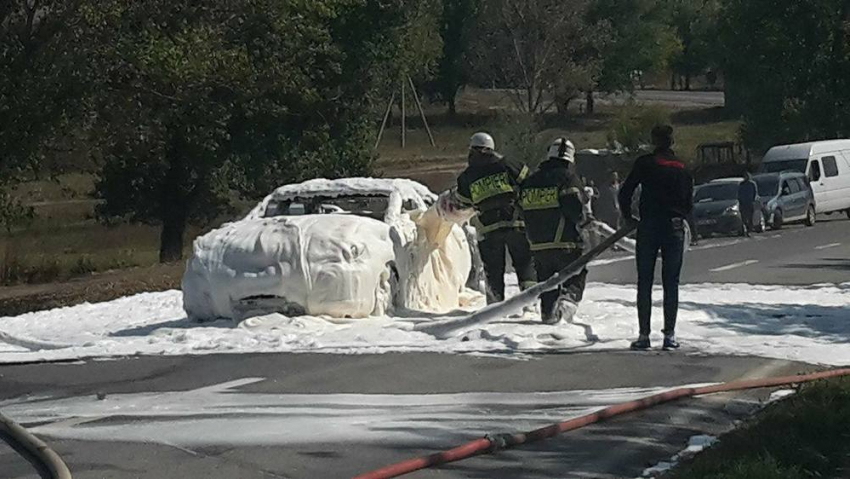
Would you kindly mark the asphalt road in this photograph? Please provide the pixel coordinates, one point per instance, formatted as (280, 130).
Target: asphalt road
(794, 255)
(219, 440)
(258, 422)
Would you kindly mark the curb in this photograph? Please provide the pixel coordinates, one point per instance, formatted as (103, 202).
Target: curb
(34, 450)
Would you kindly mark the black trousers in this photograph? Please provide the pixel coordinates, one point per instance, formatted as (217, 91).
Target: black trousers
(747, 212)
(492, 249)
(667, 236)
(548, 264)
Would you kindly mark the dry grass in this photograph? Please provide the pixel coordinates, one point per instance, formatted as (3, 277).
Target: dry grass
(486, 110)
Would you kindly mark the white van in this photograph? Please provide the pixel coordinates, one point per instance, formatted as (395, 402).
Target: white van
(826, 163)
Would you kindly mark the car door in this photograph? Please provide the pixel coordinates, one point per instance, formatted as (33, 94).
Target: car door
(802, 197)
(817, 180)
(790, 199)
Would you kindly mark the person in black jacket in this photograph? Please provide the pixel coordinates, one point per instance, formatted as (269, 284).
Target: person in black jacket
(490, 184)
(552, 201)
(666, 201)
(747, 194)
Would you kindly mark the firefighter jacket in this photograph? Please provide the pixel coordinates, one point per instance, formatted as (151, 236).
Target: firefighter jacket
(490, 184)
(552, 203)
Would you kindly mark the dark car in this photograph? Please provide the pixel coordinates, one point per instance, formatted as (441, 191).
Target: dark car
(716, 209)
(787, 197)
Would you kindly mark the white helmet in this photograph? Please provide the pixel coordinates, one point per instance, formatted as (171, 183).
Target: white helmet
(563, 149)
(482, 140)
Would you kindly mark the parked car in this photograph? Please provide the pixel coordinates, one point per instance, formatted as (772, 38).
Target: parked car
(716, 209)
(787, 197)
(352, 247)
(825, 163)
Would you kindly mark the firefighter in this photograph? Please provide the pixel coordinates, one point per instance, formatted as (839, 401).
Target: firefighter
(666, 202)
(490, 184)
(552, 202)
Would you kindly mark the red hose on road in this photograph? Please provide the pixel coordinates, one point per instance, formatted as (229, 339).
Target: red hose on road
(496, 443)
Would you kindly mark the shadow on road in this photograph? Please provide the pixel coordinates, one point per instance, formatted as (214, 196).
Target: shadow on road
(827, 323)
(184, 323)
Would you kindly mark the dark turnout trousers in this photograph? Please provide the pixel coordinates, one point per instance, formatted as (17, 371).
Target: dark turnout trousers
(492, 249)
(668, 237)
(549, 263)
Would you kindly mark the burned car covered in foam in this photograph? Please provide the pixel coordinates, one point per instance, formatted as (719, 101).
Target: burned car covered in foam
(353, 248)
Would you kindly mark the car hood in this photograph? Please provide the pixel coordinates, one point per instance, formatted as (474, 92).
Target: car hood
(323, 264)
(713, 208)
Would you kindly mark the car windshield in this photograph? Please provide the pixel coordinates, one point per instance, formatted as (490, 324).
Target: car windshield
(785, 165)
(371, 206)
(720, 192)
(767, 185)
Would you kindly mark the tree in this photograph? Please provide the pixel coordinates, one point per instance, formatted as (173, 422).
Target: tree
(204, 99)
(40, 89)
(787, 68)
(695, 24)
(640, 42)
(457, 25)
(538, 49)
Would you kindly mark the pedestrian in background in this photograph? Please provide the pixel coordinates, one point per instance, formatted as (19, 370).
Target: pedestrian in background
(608, 209)
(747, 194)
(666, 201)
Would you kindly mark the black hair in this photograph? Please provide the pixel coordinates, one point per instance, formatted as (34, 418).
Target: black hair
(662, 136)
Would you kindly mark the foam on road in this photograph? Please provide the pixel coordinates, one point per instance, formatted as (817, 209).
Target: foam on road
(794, 323)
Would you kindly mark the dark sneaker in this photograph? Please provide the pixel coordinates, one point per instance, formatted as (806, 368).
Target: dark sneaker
(670, 344)
(642, 344)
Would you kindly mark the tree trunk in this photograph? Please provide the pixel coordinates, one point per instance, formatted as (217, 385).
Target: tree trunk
(171, 238)
(673, 81)
(687, 82)
(591, 106)
(562, 103)
(452, 107)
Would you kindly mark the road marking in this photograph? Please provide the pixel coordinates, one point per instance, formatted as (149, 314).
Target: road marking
(733, 266)
(828, 246)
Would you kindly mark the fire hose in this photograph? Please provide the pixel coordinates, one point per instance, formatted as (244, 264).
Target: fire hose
(494, 443)
(34, 450)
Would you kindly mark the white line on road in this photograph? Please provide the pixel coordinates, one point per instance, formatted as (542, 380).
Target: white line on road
(733, 266)
(828, 246)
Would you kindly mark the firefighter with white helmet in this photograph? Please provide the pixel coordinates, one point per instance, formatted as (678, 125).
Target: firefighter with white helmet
(490, 185)
(552, 201)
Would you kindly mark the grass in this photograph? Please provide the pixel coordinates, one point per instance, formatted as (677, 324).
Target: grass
(807, 435)
(54, 254)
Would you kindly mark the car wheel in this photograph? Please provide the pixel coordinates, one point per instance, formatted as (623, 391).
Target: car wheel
(847, 212)
(777, 220)
(742, 229)
(811, 217)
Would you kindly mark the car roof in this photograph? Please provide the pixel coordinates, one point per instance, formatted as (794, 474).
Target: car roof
(406, 189)
(725, 180)
(321, 187)
(800, 151)
(781, 174)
